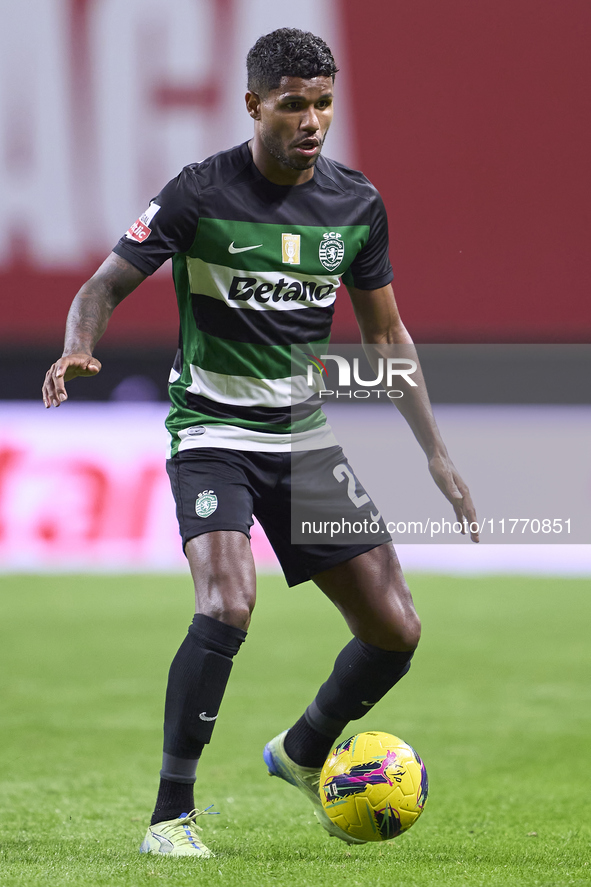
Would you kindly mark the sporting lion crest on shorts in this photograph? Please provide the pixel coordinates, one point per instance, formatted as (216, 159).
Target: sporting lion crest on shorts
(206, 503)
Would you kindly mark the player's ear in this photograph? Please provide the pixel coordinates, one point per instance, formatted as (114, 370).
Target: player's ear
(253, 105)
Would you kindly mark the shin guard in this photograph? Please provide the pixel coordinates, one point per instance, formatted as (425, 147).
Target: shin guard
(362, 675)
(196, 683)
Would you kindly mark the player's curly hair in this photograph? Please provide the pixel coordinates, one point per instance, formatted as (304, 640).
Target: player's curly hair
(287, 52)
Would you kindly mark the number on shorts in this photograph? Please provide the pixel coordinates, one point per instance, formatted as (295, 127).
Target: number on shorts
(343, 472)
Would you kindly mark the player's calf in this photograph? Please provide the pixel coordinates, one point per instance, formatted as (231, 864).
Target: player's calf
(361, 676)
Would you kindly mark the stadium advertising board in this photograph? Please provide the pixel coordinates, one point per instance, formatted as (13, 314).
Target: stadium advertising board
(84, 487)
(483, 175)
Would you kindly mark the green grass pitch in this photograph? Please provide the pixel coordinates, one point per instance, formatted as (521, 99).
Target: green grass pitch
(496, 703)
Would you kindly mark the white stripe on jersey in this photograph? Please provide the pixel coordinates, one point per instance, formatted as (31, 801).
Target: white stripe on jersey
(231, 437)
(246, 391)
(216, 281)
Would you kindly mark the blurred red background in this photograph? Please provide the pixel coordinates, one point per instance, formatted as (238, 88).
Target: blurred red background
(472, 120)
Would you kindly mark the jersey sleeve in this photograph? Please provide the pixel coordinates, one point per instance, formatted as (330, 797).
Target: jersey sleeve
(371, 268)
(167, 227)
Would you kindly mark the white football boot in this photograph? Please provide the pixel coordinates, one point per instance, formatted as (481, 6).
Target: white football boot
(176, 837)
(307, 779)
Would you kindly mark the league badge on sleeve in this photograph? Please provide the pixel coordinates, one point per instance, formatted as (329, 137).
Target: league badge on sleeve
(141, 230)
(332, 250)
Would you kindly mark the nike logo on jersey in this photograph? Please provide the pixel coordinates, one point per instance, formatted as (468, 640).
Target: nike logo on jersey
(204, 717)
(242, 249)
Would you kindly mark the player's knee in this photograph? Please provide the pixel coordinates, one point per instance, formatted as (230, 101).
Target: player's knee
(400, 632)
(236, 615)
(226, 596)
(403, 622)
(234, 612)
(228, 606)
(410, 631)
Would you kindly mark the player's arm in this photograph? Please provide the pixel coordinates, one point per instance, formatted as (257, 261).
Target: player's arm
(380, 324)
(87, 321)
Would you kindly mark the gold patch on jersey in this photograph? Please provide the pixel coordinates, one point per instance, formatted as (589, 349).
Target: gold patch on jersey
(290, 248)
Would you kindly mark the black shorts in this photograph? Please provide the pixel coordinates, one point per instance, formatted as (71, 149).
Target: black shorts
(294, 496)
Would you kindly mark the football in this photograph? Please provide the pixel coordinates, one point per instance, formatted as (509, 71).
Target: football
(373, 786)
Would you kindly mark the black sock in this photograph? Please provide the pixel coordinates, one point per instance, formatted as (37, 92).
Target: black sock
(173, 799)
(362, 675)
(306, 746)
(196, 683)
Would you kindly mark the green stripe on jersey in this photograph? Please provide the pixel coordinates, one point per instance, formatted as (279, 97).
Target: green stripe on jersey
(250, 246)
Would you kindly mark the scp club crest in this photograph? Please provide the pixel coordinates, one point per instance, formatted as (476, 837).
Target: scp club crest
(206, 503)
(332, 250)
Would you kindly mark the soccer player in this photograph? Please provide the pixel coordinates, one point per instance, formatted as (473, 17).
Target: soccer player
(245, 231)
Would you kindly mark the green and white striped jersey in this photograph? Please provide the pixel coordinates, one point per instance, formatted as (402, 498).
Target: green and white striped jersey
(256, 267)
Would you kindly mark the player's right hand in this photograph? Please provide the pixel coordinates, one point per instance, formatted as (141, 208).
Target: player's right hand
(67, 367)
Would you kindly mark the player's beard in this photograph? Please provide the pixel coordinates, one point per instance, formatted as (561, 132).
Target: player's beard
(276, 149)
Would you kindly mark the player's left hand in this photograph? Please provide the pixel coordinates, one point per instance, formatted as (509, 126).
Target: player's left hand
(455, 491)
